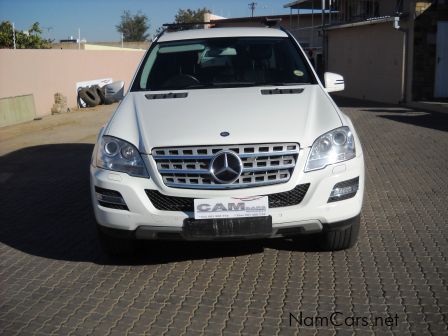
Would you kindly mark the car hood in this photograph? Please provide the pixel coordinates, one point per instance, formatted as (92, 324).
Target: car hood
(245, 113)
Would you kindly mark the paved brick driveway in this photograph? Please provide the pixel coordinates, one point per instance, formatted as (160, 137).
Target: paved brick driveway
(55, 280)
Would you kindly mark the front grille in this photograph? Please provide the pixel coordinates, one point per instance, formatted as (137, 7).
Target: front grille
(262, 164)
(186, 204)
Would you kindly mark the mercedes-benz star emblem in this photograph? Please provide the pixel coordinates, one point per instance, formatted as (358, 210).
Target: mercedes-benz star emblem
(226, 167)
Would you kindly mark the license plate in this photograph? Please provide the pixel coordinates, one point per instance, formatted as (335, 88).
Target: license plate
(231, 207)
(223, 228)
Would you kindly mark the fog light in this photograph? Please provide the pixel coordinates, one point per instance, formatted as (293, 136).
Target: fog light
(110, 199)
(344, 190)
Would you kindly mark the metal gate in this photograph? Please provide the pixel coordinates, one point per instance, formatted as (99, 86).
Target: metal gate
(441, 78)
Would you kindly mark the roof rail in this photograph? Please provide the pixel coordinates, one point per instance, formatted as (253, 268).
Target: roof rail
(268, 22)
(184, 25)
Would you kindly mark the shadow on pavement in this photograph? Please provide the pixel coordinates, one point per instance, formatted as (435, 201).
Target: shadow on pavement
(398, 113)
(433, 120)
(46, 211)
(352, 102)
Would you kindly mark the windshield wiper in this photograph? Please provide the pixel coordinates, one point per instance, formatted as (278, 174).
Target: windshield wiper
(242, 84)
(232, 84)
(282, 84)
(187, 87)
(195, 86)
(211, 85)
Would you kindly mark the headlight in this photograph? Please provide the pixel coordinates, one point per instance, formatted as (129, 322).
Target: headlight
(335, 146)
(119, 155)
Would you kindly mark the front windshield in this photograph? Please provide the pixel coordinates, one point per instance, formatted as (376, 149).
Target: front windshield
(222, 62)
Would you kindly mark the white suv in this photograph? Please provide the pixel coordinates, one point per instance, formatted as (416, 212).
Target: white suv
(227, 133)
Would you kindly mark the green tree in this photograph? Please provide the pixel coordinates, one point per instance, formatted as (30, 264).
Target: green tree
(30, 39)
(133, 27)
(191, 15)
(6, 39)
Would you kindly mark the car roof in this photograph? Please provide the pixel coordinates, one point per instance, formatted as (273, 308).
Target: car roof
(221, 32)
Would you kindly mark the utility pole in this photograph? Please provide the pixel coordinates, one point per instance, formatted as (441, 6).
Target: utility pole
(14, 35)
(79, 38)
(252, 7)
(122, 38)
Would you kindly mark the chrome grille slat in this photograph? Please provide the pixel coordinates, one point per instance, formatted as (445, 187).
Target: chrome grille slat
(183, 157)
(183, 171)
(222, 186)
(209, 157)
(257, 169)
(263, 164)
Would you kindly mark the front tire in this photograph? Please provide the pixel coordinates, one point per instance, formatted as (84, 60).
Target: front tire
(115, 246)
(340, 238)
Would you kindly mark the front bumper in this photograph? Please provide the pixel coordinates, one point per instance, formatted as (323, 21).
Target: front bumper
(176, 233)
(313, 214)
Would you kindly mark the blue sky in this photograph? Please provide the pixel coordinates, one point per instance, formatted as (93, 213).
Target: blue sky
(97, 18)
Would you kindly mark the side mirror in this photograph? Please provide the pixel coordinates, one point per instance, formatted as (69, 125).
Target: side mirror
(333, 82)
(114, 92)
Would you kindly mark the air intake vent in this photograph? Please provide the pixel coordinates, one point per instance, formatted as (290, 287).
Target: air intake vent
(186, 204)
(281, 91)
(170, 95)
